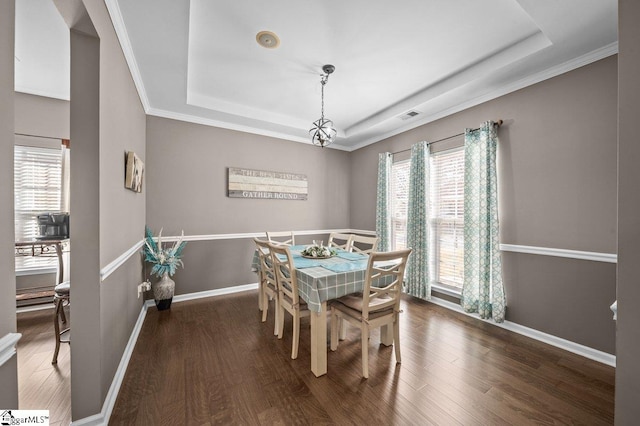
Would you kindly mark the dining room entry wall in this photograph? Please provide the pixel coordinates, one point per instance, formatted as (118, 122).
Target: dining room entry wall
(186, 176)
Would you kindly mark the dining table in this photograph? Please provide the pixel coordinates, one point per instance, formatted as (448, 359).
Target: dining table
(45, 247)
(321, 280)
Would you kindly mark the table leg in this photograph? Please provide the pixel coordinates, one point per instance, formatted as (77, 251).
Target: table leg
(386, 335)
(319, 341)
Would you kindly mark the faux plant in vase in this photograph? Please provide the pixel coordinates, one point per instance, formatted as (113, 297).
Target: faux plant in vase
(165, 262)
(318, 252)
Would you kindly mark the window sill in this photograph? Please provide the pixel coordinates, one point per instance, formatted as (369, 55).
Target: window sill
(445, 290)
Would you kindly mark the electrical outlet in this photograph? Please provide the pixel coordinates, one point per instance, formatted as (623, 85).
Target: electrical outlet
(142, 287)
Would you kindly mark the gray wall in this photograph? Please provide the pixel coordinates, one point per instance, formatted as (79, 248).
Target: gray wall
(186, 178)
(41, 116)
(8, 371)
(84, 200)
(628, 330)
(557, 181)
(106, 119)
(122, 212)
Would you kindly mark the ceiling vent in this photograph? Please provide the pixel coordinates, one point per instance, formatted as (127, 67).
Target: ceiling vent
(408, 115)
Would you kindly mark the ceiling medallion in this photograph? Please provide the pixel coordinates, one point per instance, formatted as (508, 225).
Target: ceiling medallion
(323, 133)
(268, 39)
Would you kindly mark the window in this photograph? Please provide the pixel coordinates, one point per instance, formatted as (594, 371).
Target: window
(446, 211)
(399, 202)
(447, 218)
(37, 189)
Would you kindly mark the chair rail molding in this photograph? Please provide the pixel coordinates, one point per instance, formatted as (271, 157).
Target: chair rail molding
(572, 254)
(8, 346)
(120, 260)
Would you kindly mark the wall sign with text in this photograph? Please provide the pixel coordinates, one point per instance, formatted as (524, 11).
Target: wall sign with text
(247, 183)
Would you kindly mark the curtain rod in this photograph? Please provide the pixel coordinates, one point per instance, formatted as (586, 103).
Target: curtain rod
(497, 123)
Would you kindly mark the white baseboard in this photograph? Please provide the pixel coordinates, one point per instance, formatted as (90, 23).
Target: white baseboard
(558, 342)
(216, 292)
(32, 308)
(102, 418)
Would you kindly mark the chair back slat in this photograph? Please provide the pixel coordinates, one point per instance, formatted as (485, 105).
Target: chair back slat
(365, 244)
(285, 272)
(267, 274)
(281, 237)
(338, 240)
(383, 281)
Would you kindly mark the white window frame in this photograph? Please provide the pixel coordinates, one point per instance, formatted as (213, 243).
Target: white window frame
(446, 288)
(30, 265)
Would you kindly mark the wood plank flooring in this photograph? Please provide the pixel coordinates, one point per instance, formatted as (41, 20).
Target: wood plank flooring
(41, 385)
(211, 361)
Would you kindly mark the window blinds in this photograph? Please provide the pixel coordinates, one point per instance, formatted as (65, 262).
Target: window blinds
(37, 189)
(399, 203)
(447, 217)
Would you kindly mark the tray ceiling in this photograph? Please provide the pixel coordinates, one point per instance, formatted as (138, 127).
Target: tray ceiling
(199, 61)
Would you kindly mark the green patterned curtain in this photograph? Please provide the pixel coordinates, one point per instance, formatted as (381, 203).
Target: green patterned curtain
(382, 205)
(482, 291)
(417, 278)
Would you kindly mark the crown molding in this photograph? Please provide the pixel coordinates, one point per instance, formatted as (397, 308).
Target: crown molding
(156, 112)
(581, 61)
(121, 32)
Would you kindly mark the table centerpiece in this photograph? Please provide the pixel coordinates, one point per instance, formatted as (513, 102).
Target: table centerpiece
(318, 252)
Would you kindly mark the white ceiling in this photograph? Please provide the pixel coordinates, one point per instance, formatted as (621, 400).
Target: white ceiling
(198, 60)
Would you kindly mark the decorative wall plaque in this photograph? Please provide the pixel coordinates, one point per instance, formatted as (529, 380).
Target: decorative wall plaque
(247, 183)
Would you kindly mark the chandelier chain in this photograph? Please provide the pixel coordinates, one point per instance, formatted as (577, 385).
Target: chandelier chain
(323, 133)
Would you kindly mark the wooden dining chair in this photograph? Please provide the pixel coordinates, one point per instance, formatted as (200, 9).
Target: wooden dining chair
(377, 306)
(289, 298)
(284, 238)
(268, 287)
(342, 241)
(365, 244)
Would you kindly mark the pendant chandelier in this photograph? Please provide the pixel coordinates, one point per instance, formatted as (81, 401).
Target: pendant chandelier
(323, 133)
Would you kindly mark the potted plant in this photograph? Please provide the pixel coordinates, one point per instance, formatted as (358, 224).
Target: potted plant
(165, 262)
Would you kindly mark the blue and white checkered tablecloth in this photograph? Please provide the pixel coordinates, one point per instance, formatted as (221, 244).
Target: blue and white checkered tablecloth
(330, 279)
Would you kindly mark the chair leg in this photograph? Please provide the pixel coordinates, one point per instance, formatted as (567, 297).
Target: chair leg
(56, 328)
(261, 296)
(280, 321)
(62, 315)
(335, 325)
(364, 337)
(343, 329)
(396, 338)
(276, 311)
(296, 335)
(265, 306)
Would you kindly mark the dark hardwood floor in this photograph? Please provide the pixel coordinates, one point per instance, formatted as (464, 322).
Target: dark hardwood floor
(211, 361)
(41, 385)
